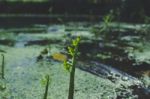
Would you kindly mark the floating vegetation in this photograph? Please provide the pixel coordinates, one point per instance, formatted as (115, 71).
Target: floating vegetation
(59, 57)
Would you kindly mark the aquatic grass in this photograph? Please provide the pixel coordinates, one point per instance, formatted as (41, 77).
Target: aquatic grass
(47, 80)
(70, 66)
(106, 29)
(2, 66)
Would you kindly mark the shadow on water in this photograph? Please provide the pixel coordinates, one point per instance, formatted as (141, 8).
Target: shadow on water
(117, 59)
(41, 42)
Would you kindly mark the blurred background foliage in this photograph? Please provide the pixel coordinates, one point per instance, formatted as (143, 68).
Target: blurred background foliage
(128, 10)
(24, 0)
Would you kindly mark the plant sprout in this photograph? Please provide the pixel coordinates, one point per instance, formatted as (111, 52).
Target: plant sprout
(70, 66)
(46, 82)
(2, 66)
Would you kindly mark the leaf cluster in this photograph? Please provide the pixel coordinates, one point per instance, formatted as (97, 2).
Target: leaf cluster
(44, 80)
(72, 51)
(108, 18)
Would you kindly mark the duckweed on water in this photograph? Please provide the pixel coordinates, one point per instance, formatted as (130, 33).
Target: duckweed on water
(23, 72)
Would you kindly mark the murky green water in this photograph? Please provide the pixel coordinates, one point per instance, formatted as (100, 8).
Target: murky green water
(24, 74)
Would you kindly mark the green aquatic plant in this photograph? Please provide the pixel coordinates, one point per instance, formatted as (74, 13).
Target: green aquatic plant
(70, 65)
(46, 82)
(2, 66)
(106, 29)
(107, 19)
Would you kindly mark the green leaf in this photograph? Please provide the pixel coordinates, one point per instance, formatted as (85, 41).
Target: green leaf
(43, 81)
(71, 51)
(76, 41)
(67, 66)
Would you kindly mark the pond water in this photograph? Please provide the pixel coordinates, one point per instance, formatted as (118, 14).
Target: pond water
(25, 71)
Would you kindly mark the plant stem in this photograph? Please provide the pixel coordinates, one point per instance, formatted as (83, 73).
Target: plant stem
(72, 75)
(46, 87)
(3, 63)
